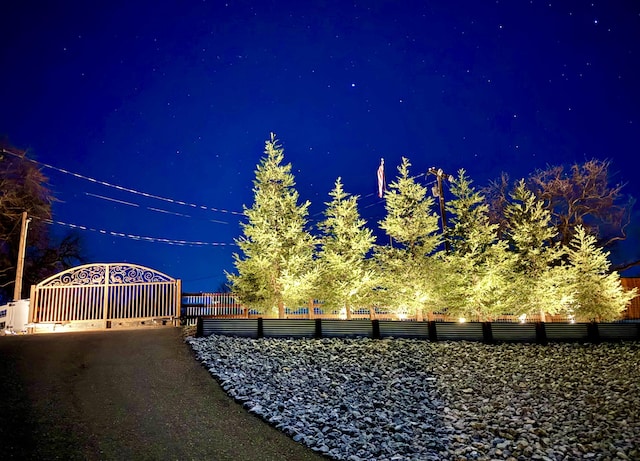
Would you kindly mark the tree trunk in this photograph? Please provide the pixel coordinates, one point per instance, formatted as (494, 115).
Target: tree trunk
(281, 309)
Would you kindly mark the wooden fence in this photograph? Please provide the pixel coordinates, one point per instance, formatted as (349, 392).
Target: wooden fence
(226, 305)
(633, 310)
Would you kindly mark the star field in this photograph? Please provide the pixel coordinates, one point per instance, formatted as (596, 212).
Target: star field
(176, 100)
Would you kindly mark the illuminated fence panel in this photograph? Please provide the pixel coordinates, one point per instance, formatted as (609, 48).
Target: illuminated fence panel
(67, 303)
(142, 301)
(222, 305)
(104, 293)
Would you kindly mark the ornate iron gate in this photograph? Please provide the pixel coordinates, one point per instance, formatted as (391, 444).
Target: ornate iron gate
(105, 296)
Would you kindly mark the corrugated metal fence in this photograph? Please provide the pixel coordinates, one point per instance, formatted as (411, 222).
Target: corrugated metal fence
(488, 332)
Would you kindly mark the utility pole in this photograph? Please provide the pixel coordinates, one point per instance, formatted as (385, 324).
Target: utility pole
(17, 292)
(438, 192)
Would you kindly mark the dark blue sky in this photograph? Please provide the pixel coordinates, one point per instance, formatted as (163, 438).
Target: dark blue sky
(176, 99)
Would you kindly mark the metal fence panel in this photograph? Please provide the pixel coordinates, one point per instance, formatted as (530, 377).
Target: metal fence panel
(502, 331)
(230, 327)
(459, 331)
(282, 328)
(400, 329)
(619, 331)
(566, 331)
(345, 328)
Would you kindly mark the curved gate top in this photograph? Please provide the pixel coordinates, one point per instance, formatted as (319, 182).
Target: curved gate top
(96, 274)
(106, 295)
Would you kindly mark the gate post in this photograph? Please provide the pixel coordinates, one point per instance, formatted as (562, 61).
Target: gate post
(105, 300)
(177, 320)
(32, 304)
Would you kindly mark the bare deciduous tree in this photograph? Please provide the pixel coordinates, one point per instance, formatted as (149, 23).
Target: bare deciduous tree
(584, 196)
(23, 187)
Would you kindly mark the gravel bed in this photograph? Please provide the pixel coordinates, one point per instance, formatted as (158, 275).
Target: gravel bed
(399, 399)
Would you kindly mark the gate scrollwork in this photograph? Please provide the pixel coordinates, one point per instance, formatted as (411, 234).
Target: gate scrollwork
(96, 274)
(81, 276)
(135, 274)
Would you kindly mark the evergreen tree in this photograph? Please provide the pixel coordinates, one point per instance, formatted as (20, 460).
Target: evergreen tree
(599, 295)
(470, 229)
(408, 268)
(346, 278)
(542, 281)
(276, 266)
(479, 269)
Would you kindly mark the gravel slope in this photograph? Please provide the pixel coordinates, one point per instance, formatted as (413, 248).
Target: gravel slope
(394, 399)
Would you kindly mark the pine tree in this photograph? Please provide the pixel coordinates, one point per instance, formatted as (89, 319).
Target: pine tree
(408, 267)
(479, 269)
(276, 266)
(470, 229)
(598, 293)
(542, 281)
(346, 278)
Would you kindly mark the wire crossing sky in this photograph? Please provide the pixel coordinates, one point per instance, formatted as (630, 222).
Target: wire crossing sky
(167, 105)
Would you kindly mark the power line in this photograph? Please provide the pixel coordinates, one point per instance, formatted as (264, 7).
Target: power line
(122, 188)
(150, 208)
(136, 237)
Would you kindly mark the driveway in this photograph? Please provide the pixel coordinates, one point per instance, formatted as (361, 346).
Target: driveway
(123, 395)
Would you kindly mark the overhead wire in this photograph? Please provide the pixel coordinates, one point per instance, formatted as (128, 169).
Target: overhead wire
(134, 236)
(159, 210)
(122, 188)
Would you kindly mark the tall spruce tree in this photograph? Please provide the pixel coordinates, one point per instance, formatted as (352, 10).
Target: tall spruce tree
(276, 266)
(346, 277)
(408, 270)
(479, 268)
(599, 295)
(542, 280)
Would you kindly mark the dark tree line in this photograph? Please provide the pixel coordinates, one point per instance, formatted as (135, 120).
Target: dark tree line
(23, 187)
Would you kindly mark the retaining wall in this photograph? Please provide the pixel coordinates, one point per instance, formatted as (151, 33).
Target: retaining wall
(488, 332)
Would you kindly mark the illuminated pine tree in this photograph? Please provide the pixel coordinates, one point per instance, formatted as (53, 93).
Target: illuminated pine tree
(346, 278)
(598, 295)
(275, 268)
(479, 269)
(408, 268)
(543, 283)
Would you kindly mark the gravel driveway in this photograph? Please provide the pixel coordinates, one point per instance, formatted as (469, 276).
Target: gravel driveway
(134, 395)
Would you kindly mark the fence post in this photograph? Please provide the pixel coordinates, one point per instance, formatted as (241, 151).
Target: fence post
(260, 328)
(433, 333)
(592, 333)
(375, 326)
(487, 334)
(318, 333)
(199, 328)
(541, 333)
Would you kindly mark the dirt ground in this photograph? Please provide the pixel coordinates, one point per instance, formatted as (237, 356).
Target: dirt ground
(123, 395)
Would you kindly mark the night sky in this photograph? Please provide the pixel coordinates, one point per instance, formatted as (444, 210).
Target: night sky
(176, 100)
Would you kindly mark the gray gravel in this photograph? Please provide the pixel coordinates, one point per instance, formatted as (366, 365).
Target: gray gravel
(398, 399)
